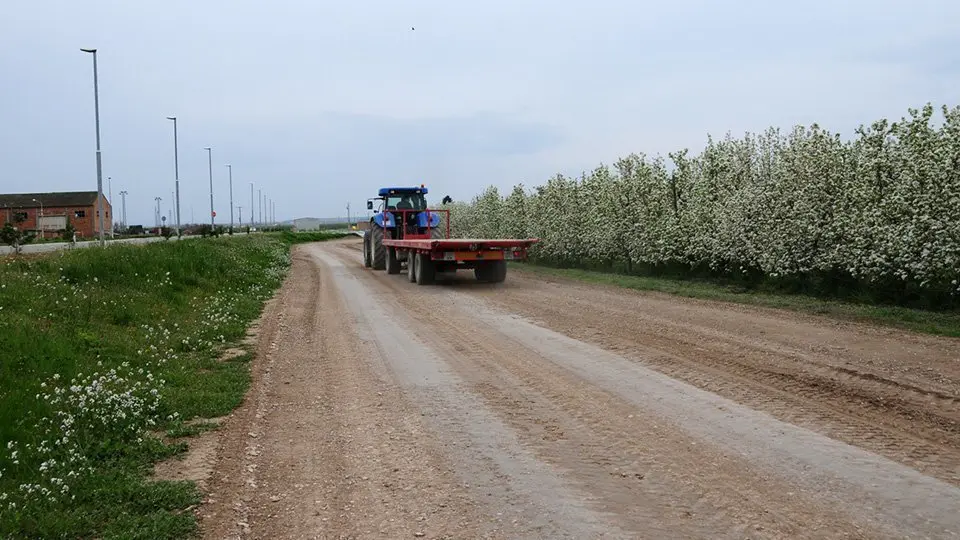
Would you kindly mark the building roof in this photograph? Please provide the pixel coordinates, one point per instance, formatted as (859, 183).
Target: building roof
(51, 200)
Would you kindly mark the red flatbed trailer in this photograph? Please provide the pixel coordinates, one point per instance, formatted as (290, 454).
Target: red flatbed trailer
(426, 254)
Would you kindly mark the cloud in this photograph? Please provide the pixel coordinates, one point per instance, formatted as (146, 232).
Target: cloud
(320, 103)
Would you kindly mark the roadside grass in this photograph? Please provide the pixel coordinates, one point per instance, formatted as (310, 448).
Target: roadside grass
(945, 323)
(102, 349)
(290, 238)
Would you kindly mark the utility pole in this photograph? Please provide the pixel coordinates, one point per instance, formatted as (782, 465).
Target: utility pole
(348, 214)
(176, 171)
(260, 204)
(43, 231)
(251, 204)
(123, 200)
(96, 109)
(210, 166)
(240, 218)
(157, 217)
(230, 168)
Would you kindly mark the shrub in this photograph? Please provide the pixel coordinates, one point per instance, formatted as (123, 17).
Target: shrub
(875, 215)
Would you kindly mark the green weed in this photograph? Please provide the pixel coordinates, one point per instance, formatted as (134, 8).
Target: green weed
(101, 348)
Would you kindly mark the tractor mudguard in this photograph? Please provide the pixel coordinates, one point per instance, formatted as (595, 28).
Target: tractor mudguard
(422, 219)
(379, 217)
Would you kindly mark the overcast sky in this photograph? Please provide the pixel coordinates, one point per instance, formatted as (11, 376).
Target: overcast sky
(320, 103)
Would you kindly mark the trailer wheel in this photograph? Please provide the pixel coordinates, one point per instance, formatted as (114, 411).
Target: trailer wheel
(491, 272)
(425, 270)
(412, 266)
(367, 262)
(393, 264)
(378, 253)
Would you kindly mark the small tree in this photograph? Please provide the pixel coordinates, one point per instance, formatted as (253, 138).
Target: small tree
(166, 232)
(68, 231)
(14, 236)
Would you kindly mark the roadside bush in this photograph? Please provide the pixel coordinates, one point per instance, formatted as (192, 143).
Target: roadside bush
(873, 218)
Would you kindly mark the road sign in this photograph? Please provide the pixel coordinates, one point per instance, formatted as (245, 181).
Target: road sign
(214, 213)
(163, 219)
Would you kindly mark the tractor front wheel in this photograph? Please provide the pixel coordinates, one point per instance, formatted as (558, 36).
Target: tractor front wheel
(378, 253)
(367, 258)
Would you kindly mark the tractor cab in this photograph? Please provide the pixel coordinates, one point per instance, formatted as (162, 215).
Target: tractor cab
(403, 213)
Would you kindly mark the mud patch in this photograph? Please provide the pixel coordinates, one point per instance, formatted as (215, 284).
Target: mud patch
(195, 465)
(232, 353)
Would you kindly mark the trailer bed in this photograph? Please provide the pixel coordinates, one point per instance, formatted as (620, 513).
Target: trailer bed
(457, 244)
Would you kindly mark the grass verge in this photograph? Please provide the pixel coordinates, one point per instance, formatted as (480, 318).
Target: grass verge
(927, 322)
(104, 351)
(290, 238)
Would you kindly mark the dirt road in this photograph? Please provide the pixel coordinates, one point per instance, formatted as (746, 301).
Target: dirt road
(539, 409)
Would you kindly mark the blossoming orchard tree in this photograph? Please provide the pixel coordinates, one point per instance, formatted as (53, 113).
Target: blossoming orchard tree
(880, 211)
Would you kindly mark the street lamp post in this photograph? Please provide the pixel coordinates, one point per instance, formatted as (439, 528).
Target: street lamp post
(230, 168)
(240, 216)
(96, 109)
(157, 218)
(40, 219)
(123, 202)
(260, 204)
(251, 204)
(210, 166)
(176, 171)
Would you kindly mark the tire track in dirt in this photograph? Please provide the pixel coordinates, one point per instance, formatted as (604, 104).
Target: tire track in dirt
(339, 452)
(919, 428)
(512, 389)
(521, 496)
(661, 482)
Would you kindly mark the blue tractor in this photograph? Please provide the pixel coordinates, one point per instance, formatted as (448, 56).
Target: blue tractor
(401, 214)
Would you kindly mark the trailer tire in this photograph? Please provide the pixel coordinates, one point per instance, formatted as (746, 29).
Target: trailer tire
(412, 266)
(393, 263)
(424, 270)
(367, 263)
(378, 253)
(491, 272)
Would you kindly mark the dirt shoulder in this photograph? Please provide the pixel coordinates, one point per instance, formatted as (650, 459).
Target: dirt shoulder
(893, 392)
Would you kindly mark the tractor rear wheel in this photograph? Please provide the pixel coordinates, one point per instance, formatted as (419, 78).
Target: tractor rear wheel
(378, 253)
(367, 259)
(412, 266)
(425, 270)
(491, 272)
(393, 263)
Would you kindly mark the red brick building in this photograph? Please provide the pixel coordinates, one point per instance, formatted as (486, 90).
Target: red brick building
(49, 213)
